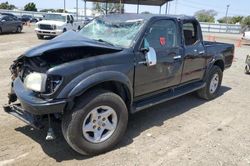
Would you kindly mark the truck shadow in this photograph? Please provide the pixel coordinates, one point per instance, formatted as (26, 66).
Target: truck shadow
(139, 122)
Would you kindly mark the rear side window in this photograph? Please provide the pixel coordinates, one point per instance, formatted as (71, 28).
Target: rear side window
(162, 34)
(190, 33)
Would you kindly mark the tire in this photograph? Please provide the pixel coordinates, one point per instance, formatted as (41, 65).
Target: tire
(73, 123)
(210, 92)
(247, 69)
(1, 31)
(40, 36)
(64, 30)
(19, 29)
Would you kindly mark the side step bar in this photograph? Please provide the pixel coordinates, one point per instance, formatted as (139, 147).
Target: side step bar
(17, 111)
(171, 94)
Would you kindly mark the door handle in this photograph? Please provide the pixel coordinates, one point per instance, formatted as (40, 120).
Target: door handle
(177, 57)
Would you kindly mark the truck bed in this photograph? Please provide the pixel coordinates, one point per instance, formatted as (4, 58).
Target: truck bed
(223, 49)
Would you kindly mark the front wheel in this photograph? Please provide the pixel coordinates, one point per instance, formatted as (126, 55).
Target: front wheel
(247, 69)
(40, 36)
(19, 29)
(97, 123)
(213, 84)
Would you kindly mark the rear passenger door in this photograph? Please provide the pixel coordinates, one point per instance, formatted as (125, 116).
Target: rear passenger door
(194, 57)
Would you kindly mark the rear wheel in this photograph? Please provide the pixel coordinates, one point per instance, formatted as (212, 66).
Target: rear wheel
(19, 29)
(213, 84)
(40, 36)
(96, 124)
(247, 69)
(1, 31)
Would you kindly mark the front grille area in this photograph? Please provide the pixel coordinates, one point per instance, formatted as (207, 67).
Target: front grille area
(46, 27)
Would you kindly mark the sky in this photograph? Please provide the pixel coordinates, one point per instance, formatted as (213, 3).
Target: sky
(187, 7)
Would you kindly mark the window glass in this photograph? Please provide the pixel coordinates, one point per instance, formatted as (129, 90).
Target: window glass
(162, 34)
(190, 33)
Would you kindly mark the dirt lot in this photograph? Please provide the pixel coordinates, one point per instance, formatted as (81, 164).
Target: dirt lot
(184, 131)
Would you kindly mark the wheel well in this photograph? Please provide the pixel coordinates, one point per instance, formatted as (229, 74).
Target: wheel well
(220, 63)
(115, 87)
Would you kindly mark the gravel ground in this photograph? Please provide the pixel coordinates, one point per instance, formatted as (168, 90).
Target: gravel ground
(184, 131)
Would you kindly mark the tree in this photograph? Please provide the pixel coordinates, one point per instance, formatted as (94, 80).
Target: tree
(205, 15)
(30, 7)
(61, 11)
(111, 7)
(145, 12)
(246, 21)
(6, 5)
(231, 20)
(48, 10)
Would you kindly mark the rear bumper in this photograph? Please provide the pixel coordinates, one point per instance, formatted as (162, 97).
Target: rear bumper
(48, 32)
(31, 103)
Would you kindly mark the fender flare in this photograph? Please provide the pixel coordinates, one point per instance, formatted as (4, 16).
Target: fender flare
(98, 78)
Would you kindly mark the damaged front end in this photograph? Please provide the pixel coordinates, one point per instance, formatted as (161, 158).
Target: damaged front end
(40, 74)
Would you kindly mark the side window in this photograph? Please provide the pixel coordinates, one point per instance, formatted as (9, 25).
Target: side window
(190, 33)
(68, 18)
(162, 34)
(7, 18)
(72, 18)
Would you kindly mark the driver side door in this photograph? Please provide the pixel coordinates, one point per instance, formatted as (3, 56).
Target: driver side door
(162, 36)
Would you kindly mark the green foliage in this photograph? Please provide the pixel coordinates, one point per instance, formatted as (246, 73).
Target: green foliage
(246, 21)
(231, 20)
(111, 7)
(48, 10)
(30, 7)
(7, 6)
(61, 11)
(205, 15)
(146, 12)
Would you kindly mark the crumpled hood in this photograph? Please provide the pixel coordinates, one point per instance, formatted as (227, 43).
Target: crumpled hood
(68, 39)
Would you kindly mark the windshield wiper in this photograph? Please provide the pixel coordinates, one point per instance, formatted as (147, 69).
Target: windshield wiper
(103, 41)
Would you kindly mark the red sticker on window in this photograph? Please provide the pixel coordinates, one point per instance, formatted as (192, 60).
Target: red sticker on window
(162, 41)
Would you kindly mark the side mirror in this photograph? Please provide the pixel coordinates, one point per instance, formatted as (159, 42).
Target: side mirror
(151, 58)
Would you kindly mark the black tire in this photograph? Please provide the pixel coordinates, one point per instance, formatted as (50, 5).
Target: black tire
(1, 31)
(205, 93)
(40, 36)
(18, 29)
(73, 120)
(64, 30)
(247, 69)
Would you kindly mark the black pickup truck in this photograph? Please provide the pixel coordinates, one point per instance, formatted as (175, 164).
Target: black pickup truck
(93, 79)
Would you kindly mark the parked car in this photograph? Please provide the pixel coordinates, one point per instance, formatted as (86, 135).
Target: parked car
(10, 24)
(9, 14)
(55, 24)
(246, 35)
(247, 67)
(114, 66)
(29, 18)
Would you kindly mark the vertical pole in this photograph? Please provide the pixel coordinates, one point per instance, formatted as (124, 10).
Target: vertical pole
(77, 10)
(226, 16)
(64, 6)
(160, 10)
(137, 6)
(85, 8)
(168, 8)
(166, 11)
(106, 8)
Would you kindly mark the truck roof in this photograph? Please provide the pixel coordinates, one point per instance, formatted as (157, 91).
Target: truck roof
(146, 17)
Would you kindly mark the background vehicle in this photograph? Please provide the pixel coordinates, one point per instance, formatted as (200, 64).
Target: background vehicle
(28, 18)
(10, 24)
(246, 35)
(9, 14)
(116, 65)
(55, 24)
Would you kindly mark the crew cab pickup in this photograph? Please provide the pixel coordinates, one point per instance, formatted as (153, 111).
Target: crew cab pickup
(55, 24)
(93, 79)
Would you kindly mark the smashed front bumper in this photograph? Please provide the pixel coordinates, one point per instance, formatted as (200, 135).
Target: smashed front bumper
(31, 106)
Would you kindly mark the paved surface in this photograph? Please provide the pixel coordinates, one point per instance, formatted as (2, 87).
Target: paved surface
(184, 131)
